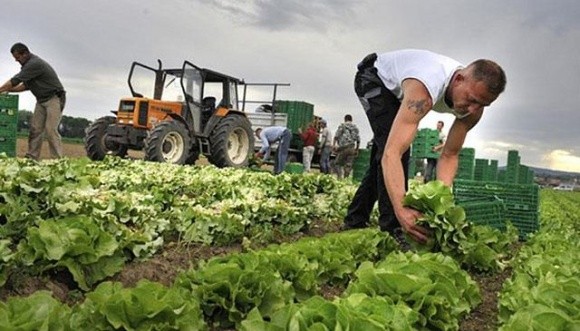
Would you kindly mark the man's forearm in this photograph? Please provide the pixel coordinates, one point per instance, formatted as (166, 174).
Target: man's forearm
(447, 168)
(394, 180)
(6, 87)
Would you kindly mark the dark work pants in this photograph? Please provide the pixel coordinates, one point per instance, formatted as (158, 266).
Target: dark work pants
(431, 169)
(282, 152)
(381, 107)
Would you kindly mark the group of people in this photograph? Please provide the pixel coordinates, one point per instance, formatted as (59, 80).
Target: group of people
(345, 145)
(396, 90)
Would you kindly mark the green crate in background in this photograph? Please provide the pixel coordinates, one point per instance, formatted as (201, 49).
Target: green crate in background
(8, 129)
(294, 168)
(9, 101)
(521, 200)
(8, 116)
(8, 146)
(300, 113)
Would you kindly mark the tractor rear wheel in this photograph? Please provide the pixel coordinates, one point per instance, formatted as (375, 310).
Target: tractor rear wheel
(95, 140)
(231, 142)
(168, 142)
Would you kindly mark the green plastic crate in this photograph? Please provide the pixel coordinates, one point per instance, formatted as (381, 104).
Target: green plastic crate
(489, 211)
(521, 200)
(8, 146)
(9, 101)
(300, 113)
(361, 164)
(294, 168)
(8, 130)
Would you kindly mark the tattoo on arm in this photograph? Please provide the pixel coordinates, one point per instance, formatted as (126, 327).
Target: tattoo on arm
(418, 106)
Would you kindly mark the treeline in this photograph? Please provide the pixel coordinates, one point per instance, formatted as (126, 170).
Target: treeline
(70, 127)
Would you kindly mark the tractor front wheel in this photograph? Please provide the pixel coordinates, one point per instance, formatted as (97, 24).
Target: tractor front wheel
(168, 142)
(232, 142)
(96, 143)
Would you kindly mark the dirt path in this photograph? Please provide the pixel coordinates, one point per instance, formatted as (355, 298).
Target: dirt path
(69, 150)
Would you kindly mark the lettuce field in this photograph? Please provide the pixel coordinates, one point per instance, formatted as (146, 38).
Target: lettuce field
(131, 245)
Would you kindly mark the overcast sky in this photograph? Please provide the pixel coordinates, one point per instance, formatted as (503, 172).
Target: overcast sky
(315, 46)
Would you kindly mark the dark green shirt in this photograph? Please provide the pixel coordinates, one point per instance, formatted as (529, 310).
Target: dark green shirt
(39, 77)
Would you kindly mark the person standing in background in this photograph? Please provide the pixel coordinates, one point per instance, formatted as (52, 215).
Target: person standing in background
(325, 147)
(431, 161)
(346, 144)
(40, 78)
(309, 139)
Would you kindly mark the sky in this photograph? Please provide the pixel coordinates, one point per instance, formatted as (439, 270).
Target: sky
(315, 46)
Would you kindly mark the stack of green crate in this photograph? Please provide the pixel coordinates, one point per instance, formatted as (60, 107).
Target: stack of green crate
(416, 165)
(480, 169)
(513, 167)
(525, 175)
(361, 164)
(492, 170)
(8, 123)
(465, 169)
(423, 144)
(531, 176)
(521, 201)
(486, 211)
(412, 167)
(300, 114)
(501, 175)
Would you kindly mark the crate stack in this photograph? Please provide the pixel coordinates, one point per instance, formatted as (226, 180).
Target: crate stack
(490, 211)
(412, 171)
(466, 167)
(480, 171)
(521, 201)
(525, 175)
(492, 170)
(513, 167)
(8, 123)
(300, 114)
(416, 167)
(424, 142)
(501, 175)
(361, 164)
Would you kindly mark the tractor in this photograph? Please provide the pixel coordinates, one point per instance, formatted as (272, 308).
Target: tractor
(179, 121)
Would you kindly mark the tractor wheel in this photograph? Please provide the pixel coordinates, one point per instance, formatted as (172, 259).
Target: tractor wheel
(95, 140)
(232, 142)
(168, 142)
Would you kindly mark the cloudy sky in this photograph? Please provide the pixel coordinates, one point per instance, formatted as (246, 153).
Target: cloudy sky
(315, 46)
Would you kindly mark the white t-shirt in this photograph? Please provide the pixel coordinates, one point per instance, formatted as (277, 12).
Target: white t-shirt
(432, 69)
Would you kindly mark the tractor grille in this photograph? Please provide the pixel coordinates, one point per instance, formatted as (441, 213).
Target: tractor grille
(143, 113)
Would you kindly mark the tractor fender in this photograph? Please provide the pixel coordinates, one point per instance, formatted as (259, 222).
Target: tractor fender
(180, 119)
(217, 115)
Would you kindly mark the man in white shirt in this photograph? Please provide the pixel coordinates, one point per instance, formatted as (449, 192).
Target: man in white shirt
(397, 89)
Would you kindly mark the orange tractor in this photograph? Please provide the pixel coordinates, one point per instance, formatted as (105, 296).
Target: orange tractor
(178, 121)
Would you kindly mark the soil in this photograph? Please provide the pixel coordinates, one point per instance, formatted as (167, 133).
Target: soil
(177, 257)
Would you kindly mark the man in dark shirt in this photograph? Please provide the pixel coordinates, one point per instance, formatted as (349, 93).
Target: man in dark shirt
(40, 78)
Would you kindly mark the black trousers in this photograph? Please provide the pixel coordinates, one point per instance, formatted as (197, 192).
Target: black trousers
(381, 107)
